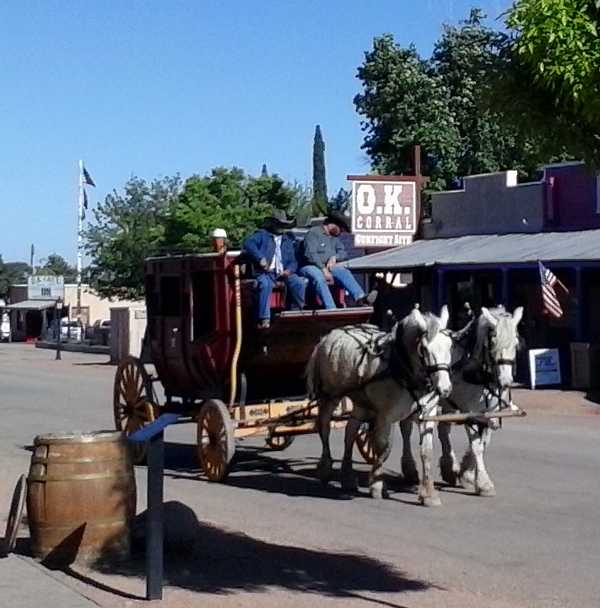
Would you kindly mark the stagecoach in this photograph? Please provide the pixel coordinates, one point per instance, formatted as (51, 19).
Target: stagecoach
(216, 368)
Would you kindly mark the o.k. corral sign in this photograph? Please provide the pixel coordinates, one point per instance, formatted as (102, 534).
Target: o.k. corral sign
(384, 210)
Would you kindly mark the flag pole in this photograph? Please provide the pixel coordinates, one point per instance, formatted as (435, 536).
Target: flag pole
(79, 239)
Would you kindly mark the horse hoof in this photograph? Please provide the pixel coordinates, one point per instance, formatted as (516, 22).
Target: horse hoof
(430, 501)
(325, 472)
(451, 480)
(467, 482)
(486, 491)
(378, 492)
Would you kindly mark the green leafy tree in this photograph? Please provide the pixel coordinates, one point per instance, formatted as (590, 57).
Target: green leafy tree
(58, 266)
(301, 206)
(319, 178)
(440, 103)
(226, 198)
(12, 273)
(550, 79)
(128, 227)
(341, 201)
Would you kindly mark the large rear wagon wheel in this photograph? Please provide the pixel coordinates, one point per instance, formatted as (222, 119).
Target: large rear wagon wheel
(133, 402)
(216, 440)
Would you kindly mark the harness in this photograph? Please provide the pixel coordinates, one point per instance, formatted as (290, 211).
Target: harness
(484, 376)
(399, 369)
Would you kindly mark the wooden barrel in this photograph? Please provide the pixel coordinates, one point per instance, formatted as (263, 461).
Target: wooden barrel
(81, 497)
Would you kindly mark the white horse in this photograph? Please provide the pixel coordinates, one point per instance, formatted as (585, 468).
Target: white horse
(389, 377)
(483, 356)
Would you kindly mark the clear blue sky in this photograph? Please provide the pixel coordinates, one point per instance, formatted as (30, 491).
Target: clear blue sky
(156, 88)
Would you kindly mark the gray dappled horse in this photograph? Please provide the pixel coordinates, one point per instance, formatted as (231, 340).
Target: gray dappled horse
(389, 377)
(483, 357)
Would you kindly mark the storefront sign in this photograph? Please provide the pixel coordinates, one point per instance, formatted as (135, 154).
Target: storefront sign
(45, 287)
(544, 367)
(384, 213)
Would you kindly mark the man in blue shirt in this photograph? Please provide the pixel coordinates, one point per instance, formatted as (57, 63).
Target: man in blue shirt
(273, 253)
(322, 250)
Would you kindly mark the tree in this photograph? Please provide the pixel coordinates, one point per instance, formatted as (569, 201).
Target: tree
(264, 172)
(550, 78)
(439, 103)
(58, 266)
(319, 179)
(127, 228)
(226, 198)
(341, 201)
(12, 273)
(301, 206)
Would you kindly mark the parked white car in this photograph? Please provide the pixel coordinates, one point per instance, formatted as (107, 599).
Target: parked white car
(70, 330)
(5, 328)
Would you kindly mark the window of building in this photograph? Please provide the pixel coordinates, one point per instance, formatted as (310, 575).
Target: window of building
(203, 294)
(170, 296)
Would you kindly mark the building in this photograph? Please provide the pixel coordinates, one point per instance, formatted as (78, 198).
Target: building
(482, 245)
(30, 317)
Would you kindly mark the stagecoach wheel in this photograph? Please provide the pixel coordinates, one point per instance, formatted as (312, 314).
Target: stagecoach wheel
(364, 443)
(279, 442)
(133, 402)
(216, 442)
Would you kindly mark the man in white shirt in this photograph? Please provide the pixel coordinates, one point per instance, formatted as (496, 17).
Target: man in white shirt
(273, 252)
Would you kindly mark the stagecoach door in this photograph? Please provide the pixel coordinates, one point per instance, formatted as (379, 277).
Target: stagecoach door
(171, 313)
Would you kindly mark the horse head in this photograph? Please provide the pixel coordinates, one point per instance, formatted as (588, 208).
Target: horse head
(497, 343)
(429, 348)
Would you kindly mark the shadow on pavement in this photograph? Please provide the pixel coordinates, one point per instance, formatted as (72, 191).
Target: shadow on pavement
(254, 469)
(203, 558)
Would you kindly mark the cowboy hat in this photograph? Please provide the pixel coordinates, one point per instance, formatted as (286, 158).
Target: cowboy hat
(339, 219)
(278, 216)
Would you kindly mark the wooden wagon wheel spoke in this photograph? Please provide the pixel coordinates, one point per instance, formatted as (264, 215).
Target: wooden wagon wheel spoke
(216, 443)
(133, 406)
(364, 443)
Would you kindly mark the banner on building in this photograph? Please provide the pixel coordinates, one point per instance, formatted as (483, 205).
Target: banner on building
(45, 287)
(384, 210)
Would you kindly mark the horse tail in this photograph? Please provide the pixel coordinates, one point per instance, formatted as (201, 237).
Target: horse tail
(313, 377)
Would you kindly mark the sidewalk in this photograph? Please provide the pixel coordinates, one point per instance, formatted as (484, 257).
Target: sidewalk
(558, 402)
(24, 584)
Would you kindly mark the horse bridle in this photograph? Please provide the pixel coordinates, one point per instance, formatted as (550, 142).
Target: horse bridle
(431, 369)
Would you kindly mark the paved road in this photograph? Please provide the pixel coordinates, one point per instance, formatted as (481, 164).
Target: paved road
(273, 534)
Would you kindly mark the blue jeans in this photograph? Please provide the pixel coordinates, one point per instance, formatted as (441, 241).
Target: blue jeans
(341, 276)
(295, 291)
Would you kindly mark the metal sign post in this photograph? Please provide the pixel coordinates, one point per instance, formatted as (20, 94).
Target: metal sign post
(153, 434)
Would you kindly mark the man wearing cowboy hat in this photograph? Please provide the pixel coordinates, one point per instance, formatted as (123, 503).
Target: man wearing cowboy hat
(272, 251)
(322, 249)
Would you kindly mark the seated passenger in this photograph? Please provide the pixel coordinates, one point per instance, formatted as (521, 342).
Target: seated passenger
(321, 252)
(273, 254)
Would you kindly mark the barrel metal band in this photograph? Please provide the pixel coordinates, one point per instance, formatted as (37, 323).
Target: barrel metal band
(100, 523)
(87, 477)
(40, 460)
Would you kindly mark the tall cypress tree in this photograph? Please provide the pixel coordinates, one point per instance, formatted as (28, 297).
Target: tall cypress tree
(264, 172)
(319, 202)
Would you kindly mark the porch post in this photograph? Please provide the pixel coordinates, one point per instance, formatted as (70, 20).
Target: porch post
(505, 297)
(579, 308)
(441, 289)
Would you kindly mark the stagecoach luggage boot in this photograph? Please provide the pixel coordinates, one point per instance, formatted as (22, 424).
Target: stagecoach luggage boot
(81, 497)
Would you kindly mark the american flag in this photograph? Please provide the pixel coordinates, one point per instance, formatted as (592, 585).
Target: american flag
(550, 300)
